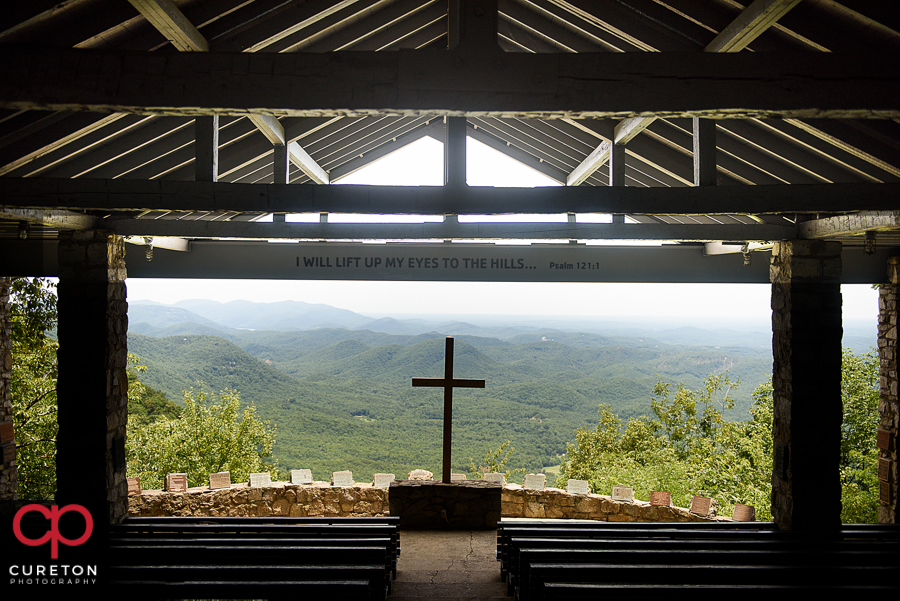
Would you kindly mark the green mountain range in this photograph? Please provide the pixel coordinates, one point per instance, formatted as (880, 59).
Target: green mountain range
(342, 398)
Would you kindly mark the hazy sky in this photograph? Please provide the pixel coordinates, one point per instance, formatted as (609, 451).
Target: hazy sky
(421, 163)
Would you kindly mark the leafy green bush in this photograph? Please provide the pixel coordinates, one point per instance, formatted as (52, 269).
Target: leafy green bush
(687, 449)
(207, 437)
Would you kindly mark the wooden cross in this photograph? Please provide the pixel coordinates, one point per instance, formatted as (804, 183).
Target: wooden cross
(448, 383)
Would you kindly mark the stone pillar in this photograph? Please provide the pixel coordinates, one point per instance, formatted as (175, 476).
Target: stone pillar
(92, 388)
(8, 473)
(806, 379)
(888, 405)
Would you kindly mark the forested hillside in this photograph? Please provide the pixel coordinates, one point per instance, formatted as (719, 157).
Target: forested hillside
(342, 399)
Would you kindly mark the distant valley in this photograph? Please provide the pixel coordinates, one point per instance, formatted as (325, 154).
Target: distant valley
(337, 383)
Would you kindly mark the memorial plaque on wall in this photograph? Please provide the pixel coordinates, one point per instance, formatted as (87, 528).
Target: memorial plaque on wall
(700, 505)
(660, 498)
(623, 493)
(884, 469)
(301, 476)
(495, 477)
(7, 433)
(535, 481)
(383, 480)
(883, 440)
(9, 453)
(260, 480)
(176, 482)
(884, 492)
(457, 477)
(220, 480)
(344, 478)
(780, 462)
(134, 486)
(743, 513)
(578, 487)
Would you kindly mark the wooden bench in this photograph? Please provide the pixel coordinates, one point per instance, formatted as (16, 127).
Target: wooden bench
(618, 530)
(254, 557)
(554, 560)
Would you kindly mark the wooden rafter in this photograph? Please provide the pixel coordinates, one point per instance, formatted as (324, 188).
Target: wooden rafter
(752, 22)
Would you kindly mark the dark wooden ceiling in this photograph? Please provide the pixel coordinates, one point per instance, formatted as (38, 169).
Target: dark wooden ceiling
(798, 148)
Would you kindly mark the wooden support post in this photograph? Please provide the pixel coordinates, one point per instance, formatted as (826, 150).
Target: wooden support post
(472, 25)
(206, 148)
(617, 165)
(455, 152)
(281, 165)
(704, 152)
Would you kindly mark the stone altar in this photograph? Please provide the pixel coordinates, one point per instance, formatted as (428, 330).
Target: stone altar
(436, 505)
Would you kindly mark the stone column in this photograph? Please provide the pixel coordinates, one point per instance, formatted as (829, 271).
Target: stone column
(8, 473)
(92, 388)
(888, 405)
(806, 378)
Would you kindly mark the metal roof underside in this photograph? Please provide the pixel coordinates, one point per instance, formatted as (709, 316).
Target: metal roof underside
(658, 152)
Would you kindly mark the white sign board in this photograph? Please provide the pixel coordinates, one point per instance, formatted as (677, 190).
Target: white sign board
(700, 505)
(578, 487)
(220, 480)
(495, 477)
(301, 476)
(260, 480)
(744, 513)
(344, 478)
(457, 477)
(383, 480)
(623, 493)
(535, 481)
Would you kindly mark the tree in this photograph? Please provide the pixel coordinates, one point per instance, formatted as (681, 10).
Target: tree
(208, 436)
(689, 448)
(859, 455)
(492, 462)
(146, 404)
(33, 386)
(686, 449)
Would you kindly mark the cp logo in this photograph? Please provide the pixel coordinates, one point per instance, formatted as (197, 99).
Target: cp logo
(53, 535)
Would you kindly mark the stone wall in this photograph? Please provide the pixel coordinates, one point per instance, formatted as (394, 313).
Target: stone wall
(517, 502)
(321, 499)
(279, 499)
(889, 402)
(8, 474)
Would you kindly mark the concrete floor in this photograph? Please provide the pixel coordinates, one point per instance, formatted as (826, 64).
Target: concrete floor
(448, 565)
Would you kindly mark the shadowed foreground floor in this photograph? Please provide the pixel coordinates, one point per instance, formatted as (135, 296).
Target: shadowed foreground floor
(448, 565)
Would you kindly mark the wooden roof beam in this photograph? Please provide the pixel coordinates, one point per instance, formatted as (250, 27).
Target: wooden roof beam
(55, 218)
(274, 131)
(135, 195)
(446, 82)
(852, 224)
(752, 22)
(450, 230)
(171, 22)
